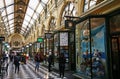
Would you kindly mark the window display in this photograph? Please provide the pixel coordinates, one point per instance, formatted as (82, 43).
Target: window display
(92, 48)
(63, 39)
(61, 46)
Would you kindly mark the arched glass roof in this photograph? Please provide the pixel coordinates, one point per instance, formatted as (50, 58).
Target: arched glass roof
(7, 9)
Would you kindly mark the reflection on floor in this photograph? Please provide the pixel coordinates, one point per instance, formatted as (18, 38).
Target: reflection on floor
(27, 71)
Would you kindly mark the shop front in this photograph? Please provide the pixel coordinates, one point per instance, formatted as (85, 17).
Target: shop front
(98, 46)
(114, 43)
(91, 59)
(62, 44)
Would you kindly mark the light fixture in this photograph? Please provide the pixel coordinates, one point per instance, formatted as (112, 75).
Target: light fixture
(69, 24)
(30, 44)
(20, 8)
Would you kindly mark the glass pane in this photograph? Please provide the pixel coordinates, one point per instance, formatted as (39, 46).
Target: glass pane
(35, 16)
(24, 26)
(1, 4)
(39, 9)
(11, 21)
(32, 21)
(5, 20)
(10, 9)
(8, 2)
(3, 13)
(33, 3)
(30, 11)
(98, 48)
(115, 24)
(27, 17)
(44, 1)
(12, 25)
(29, 25)
(83, 49)
(25, 23)
(11, 16)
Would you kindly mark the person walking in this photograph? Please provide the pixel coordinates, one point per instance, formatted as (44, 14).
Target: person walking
(37, 61)
(50, 61)
(17, 62)
(62, 61)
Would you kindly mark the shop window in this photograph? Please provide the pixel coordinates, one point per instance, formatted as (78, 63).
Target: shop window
(92, 54)
(115, 24)
(69, 10)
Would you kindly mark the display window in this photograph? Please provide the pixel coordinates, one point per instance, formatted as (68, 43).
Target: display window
(115, 45)
(90, 48)
(61, 45)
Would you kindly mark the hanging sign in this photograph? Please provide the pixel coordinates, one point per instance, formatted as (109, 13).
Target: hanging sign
(48, 35)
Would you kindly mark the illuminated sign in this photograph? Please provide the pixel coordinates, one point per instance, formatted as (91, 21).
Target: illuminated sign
(39, 39)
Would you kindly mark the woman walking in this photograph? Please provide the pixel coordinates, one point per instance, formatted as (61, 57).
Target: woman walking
(37, 61)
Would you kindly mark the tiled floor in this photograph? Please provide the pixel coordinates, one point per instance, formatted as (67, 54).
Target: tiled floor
(27, 71)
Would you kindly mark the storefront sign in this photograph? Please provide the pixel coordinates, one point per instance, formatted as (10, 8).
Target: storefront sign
(39, 39)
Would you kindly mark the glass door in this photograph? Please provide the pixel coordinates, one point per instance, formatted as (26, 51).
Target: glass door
(115, 44)
(115, 48)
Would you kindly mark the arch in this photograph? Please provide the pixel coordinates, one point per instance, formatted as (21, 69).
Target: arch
(62, 9)
(51, 19)
(69, 9)
(16, 34)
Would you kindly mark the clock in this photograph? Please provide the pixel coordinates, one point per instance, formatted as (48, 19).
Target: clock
(69, 24)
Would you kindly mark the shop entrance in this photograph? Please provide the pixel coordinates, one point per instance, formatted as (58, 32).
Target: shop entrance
(115, 48)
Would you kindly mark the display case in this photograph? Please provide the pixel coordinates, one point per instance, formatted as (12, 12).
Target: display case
(61, 46)
(90, 48)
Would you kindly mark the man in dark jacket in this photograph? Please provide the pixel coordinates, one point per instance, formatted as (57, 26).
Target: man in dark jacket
(17, 62)
(50, 61)
(62, 61)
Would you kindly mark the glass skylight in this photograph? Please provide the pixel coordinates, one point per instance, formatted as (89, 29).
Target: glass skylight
(7, 8)
(34, 8)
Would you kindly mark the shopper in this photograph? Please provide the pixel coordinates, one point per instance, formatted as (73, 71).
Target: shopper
(37, 61)
(17, 62)
(62, 61)
(50, 61)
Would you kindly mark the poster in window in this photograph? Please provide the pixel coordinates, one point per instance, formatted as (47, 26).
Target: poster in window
(64, 39)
